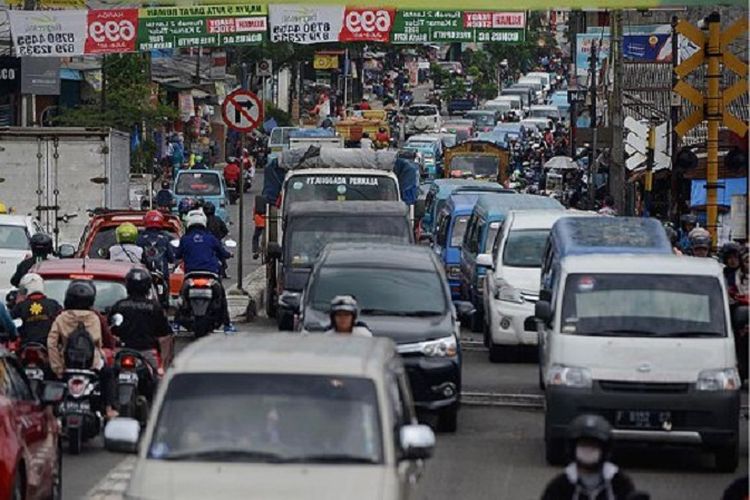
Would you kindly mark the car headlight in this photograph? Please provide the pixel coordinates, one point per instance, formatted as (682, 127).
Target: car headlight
(454, 272)
(726, 379)
(570, 376)
(441, 348)
(508, 293)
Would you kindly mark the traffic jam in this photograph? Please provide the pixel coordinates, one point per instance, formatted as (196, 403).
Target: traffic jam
(301, 251)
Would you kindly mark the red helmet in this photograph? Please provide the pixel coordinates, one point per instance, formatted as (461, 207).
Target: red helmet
(153, 218)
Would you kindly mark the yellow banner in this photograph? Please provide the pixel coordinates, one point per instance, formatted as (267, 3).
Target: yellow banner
(325, 61)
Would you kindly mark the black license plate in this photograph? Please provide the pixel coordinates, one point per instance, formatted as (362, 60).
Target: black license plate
(643, 419)
(77, 406)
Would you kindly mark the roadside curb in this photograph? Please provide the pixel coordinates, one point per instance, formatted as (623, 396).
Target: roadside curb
(248, 303)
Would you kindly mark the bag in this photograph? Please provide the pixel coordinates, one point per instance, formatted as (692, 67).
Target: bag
(154, 255)
(80, 348)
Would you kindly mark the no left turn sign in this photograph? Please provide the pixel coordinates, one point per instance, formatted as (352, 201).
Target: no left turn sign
(242, 111)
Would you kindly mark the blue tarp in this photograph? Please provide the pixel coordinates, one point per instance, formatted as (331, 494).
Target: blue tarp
(731, 187)
(599, 234)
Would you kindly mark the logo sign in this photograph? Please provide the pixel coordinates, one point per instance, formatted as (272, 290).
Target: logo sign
(242, 111)
(111, 31)
(325, 61)
(495, 20)
(264, 68)
(367, 25)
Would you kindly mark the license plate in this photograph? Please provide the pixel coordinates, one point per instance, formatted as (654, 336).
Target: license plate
(159, 289)
(204, 293)
(34, 374)
(77, 406)
(128, 377)
(641, 419)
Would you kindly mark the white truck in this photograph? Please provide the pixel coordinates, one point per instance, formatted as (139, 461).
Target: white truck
(59, 174)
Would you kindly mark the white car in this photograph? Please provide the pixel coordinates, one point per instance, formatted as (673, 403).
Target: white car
(422, 118)
(15, 233)
(512, 289)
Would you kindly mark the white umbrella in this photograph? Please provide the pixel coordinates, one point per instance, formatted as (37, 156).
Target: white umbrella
(561, 163)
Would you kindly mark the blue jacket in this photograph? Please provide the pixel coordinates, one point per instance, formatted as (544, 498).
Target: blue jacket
(164, 198)
(156, 242)
(7, 328)
(201, 251)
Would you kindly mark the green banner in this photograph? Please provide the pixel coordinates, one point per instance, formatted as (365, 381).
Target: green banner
(447, 26)
(201, 26)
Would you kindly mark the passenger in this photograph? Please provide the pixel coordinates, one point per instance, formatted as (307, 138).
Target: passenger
(164, 198)
(365, 142)
(41, 249)
(730, 257)
(688, 223)
(344, 312)
(126, 249)
(36, 310)
(700, 242)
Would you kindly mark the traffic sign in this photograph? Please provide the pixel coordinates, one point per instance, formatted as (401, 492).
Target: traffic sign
(636, 145)
(242, 111)
(264, 68)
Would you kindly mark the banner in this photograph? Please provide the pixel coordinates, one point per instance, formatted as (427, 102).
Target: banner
(443, 26)
(51, 33)
(305, 24)
(367, 25)
(208, 26)
(111, 31)
(10, 74)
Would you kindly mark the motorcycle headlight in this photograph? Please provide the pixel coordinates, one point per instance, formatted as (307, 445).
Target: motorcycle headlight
(570, 376)
(440, 348)
(718, 380)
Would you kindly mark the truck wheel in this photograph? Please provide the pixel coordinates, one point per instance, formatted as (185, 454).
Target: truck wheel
(285, 321)
(448, 419)
(727, 458)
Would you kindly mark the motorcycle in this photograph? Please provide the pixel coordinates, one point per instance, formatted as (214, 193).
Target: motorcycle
(247, 181)
(79, 410)
(34, 359)
(135, 382)
(233, 192)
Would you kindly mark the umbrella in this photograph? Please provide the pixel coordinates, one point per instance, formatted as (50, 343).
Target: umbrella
(561, 163)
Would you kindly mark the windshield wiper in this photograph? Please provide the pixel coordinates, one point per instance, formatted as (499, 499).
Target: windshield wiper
(384, 312)
(618, 333)
(379, 312)
(690, 334)
(340, 458)
(229, 454)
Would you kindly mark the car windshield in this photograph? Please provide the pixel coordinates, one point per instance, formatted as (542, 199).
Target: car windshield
(325, 187)
(14, 238)
(459, 229)
(477, 165)
(198, 184)
(381, 291)
(308, 235)
(280, 137)
(421, 111)
(105, 238)
(268, 418)
(524, 247)
(544, 113)
(107, 292)
(483, 119)
(643, 305)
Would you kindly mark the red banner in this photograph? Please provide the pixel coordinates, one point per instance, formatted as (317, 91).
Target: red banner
(367, 25)
(111, 31)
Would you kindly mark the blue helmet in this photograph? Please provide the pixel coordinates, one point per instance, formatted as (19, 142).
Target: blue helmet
(186, 205)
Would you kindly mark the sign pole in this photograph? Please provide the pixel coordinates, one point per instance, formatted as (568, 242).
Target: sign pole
(241, 221)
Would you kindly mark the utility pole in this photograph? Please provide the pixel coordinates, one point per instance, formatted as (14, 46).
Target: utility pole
(592, 94)
(714, 115)
(575, 26)
(617, 160)
(674, 115)
(649, 181)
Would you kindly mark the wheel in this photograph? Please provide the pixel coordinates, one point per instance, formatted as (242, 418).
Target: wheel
(75, 440)
(448, 419)
(202, 326)
(727, 458)
(541, 378)
(141, 410)
(486, 335)
(270, 301)
(57, 478)
(18, 487)
(126, 401)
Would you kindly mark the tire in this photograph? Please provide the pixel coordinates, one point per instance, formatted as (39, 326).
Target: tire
(75, 440)
(19, 486)
(142, 410)
(448, 419)
(57, 479)
(126, 401)
(477, 322)
(727, 458)
(202, 326)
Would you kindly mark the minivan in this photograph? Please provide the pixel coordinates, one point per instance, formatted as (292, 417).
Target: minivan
(207, 185)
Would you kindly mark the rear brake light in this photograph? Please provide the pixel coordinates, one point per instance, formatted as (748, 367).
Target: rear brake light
(31, 357)
(81, 276)
(128, 362)
(201, 282)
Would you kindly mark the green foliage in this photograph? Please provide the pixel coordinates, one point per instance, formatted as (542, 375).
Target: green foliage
(439, 75)
(455, 89)
(282, 118)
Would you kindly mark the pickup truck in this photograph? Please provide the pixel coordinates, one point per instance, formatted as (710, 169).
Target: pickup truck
(460, 106)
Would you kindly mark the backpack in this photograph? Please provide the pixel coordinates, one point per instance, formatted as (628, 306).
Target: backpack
(154, 255)
(79, 350)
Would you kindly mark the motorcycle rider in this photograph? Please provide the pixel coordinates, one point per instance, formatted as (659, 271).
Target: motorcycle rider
(201, 251)
(126, 249)
(700, 242)
(730, 257)
(218, 228)
(157, 252)
(590, 475)
(382, 139)
(41, 248)
(608, 206)
(36, 310)
(164, 198)
(78, 316)
(232, 172)
(687, 223)
(344, 311)
(143, 322)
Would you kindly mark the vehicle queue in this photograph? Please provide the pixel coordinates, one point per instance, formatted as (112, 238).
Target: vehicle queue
(625, 328)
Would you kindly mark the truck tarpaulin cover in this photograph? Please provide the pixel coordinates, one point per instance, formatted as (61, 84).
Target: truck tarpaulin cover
(407, 172)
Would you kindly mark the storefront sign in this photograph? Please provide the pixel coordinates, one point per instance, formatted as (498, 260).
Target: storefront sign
(325, 61)
(58, 33)
(111, 31)
(435, 26)
(10, 74)
(367, 25)
(40, 75)
(207, 26)
(305, 24)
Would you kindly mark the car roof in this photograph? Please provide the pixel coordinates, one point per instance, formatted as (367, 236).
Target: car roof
(96, 268)
(135, 217)
(446, 187)
(494, 204)
(423, 138)
(270, 351)
(610, 235)
(540, 219)
(15, 220)
(549, 107)
(642, 264)
(463, 201)
(357, 208)
(480, 112)
(378, 255)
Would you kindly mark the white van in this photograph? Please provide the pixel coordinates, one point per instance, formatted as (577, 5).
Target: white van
(546, 78)
(646, 342)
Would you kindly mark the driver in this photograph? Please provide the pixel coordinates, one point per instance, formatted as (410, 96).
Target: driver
(344, 312)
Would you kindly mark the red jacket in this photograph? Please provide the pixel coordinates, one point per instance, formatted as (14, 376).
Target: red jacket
(232, 173)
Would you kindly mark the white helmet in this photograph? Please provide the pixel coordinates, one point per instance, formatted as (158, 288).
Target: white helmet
(32, 283)
(195, 218)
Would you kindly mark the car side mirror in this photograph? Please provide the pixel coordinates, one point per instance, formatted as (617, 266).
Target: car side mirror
(274, 250)
(290, 301)
(417, 442)
(53, 393)
(121, 434)
(464, 308)
(66, 251)
(543, 311)
(485, 260)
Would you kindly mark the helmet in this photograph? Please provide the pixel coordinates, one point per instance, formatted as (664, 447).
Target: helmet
(41, 245)
(593, 428)
(126, 233)
(138, 282)
(32, 283)
(344, 303)
(198, 158)
(700, 238)
(728, 249)
(153, 219)
(209, 208)
(80, 295)
(195, 218)
(186, 205)
(688, 219)
(381, 130)
(165, 185)
(3, 208)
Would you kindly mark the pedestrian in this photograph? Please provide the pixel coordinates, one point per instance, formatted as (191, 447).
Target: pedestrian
(608, 206)
(259, 220)
(365, 142)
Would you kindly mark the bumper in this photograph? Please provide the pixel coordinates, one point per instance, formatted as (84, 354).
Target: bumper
(707, 419)
(435, 382)
(512, 324)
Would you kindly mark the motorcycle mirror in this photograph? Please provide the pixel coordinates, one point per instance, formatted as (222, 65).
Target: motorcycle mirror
(18, 322)
(175, 243)
(230, 244)
(117, 319)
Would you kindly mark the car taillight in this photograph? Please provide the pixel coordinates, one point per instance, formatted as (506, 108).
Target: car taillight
(128, 362)
(76, 386)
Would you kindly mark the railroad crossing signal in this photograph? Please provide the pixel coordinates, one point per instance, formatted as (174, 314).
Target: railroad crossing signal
(636, 145)
(242, 111)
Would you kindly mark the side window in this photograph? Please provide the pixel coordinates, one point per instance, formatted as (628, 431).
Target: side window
(19, 388)
(443, 225)
(428, 202)
(469, 231)
(476, 237)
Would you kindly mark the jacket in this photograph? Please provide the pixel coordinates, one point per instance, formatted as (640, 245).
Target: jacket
(7, 328)
(217, 227)
(232, 173)
(23, 268)
(158, 242)
(164, 198)
(63, 326)
(567, 486)
(143, 322)
(37, 312)
(259, 220)
(201, 251)
(126, 253)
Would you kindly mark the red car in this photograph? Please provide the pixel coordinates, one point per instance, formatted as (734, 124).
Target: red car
(30, 454)
(99, 235)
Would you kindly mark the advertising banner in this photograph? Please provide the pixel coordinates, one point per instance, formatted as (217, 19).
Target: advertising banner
(40, 75)
(50, 33)
(111, 31)
(206, 26)
(367, 25)
(305, 24)
(443, 26)
(10, 74)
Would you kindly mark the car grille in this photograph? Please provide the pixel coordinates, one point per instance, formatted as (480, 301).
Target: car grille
(651, 387)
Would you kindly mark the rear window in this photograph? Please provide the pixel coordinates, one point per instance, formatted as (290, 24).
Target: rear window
(198, 184)
(280, 136)
(107, 292)
(105, 238)
(14, 238)
(421, 111)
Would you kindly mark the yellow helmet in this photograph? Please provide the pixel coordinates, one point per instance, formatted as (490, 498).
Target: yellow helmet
(3, 208)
